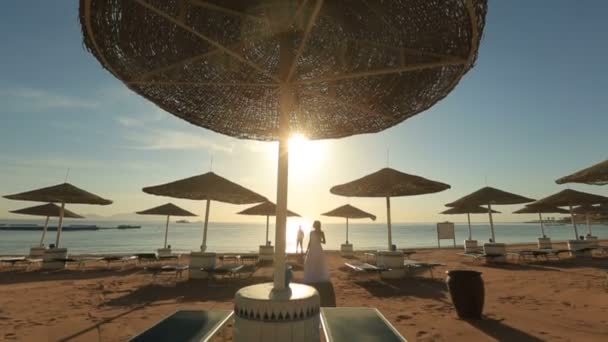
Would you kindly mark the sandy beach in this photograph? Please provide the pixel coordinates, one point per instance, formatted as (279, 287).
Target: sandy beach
(565, 300)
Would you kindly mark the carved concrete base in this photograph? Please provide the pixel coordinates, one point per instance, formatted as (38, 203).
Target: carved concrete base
(50, 256)
(200, 260)
(496, 249)
(575, 247)
(346, 249)
(544, 243)
(392, 260)
(266, 253)
(263, 315)
(471, 246)
(163, 252)
(37, 252)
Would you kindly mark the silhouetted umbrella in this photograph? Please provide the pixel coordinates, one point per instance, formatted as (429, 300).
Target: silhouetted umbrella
(488, 196)
(49, 210)
(61, 193)
(570, 198)
(263, 70)
(589, 210)
(206, 187)
(388, 183)
(468, 210)
(594, 175)
(265, 209)
(349, 212)
(168, 210)
(540, 210)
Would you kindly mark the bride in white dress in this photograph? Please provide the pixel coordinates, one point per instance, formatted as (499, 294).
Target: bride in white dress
(315, 265)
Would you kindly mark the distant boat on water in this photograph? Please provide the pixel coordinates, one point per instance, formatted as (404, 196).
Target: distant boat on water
(127, 226)
(182, 221)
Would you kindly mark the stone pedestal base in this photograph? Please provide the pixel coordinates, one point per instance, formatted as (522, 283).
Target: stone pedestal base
(544, 243)
(575, 247)
(163, 252)
(346, 249)
(496, 249)
(37, 252)
(200, 260)
(50, 256)
(266, 253)
(393, 260)
(471, 246)
(592, 241)
(263, 315)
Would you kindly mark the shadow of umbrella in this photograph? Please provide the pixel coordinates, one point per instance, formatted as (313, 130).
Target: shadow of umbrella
(501, 331)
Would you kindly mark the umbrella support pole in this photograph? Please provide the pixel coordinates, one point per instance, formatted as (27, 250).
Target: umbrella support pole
(388, 222)
(491, 222)
(46, 226)
(543, 241)
(166, 231)
(281, 215)
(60, 225)
(204, 244)
(573, 223)
(470, 232)
(346, 249)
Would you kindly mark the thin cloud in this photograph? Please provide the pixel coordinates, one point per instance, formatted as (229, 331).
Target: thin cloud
(38, 99)
(174, 140)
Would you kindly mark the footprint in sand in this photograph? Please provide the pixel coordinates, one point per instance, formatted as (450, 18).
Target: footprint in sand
(10, 336)
(403, 317)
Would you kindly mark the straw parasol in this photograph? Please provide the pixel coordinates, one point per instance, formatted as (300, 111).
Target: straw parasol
(388, 183)
(168, 210)
(265, 209)
(206, 187)
(488, 196)
(49, 210)
(540, 210)
(570, 198)
(349, 212)
(468, 210)
(594, 175)
(589, 210)
(265, 69)
(61, 193)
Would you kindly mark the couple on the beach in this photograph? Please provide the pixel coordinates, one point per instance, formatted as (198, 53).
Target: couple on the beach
(315, 265)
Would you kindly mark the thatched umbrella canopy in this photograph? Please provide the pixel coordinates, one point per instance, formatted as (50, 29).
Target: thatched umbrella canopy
(488, 196)
(61, 193)
(206, 187)
(475, 209)
(540, 210)
(570, 198)
(49, 210)
(594, 175)
(264, 69)
(349, 212)
(388, 183)
(265, 209)
(168, 210)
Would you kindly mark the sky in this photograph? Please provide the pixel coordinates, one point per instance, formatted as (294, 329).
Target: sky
(532, 110)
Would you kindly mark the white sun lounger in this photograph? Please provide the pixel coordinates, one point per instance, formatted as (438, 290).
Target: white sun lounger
(357, 324)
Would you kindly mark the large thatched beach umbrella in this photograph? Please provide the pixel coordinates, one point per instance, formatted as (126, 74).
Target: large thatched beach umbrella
(594, 175)
(61, 193)
(540, 210)
(488, 196)
(388, 183)
(570, 198)
(468, 210)
(168, 210)
(265, 69)
(589, 210)
(347, 211)
(265, 209)
(49, 210)
(206, 187)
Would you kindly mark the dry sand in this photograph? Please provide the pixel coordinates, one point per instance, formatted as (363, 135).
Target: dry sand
(564, 300)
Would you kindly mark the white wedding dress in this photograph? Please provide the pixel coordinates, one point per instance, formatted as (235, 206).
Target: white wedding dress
(315, 265)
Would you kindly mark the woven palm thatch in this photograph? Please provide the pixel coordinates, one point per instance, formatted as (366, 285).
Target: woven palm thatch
(468, 210)
(168, 209)
(489, 195)
(61, 193)
(388, 183)
(540, 209)
(588, 209)
(48, 210)
(352, 66)
(348, 211)
(265, 209)
(594, 175)
(569, 197)
(208, 186)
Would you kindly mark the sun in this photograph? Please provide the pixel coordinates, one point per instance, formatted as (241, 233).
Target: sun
(305, 156)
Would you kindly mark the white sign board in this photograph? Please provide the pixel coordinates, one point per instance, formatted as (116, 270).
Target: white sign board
(445, 230)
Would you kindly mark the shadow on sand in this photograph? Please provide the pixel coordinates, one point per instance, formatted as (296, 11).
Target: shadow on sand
(408, 287)
(502, 332)
(18, 277)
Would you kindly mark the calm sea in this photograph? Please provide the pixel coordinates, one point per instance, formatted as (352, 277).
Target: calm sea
(241, 238)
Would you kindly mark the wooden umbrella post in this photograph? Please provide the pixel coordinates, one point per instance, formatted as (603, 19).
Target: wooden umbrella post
(267, 224)
(543, 241)
(166, 231)
(60, 225)
(573, 223)
(46, 226)
(491, 222)
(54, 258)
(347, 230)
(204, 244)
(388, 221)
(470, 232)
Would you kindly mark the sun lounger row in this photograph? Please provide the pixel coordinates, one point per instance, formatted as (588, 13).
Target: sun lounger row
(338, 324)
